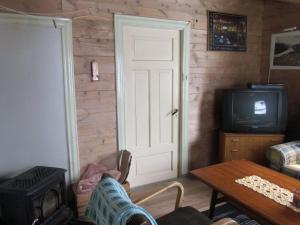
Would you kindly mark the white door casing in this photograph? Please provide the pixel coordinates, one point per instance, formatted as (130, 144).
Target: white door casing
(151, 78)
(184, 28)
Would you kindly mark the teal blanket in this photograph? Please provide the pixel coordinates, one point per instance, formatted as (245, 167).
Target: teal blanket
(110, 205)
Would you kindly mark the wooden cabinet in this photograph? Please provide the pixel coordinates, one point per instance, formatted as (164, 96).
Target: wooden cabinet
(253, 147)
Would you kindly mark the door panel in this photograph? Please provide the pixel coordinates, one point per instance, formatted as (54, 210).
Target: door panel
(163, 163)
(152, 48)
(141, 95)
(165, 106)
(151, 69)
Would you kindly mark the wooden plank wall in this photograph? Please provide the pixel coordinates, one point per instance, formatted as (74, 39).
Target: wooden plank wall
(277, 17)
(93, 38)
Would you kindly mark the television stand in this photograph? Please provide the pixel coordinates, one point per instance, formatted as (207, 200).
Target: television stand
(253, 147)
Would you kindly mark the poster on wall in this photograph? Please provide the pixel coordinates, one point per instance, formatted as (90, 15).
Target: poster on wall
(227, 32)
(285, 50)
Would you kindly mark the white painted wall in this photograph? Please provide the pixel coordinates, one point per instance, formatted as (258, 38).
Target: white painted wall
(32, 110)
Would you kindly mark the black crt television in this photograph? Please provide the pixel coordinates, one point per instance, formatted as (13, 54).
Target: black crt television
(254, 110)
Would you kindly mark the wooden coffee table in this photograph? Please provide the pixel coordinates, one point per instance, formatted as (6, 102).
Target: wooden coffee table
(221, 178)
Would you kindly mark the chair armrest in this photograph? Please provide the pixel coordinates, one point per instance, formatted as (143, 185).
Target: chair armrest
(174, 184)
(284, 154)
(225, 221)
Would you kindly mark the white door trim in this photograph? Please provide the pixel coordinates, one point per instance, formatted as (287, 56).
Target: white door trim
(69, 84)
(184, 27)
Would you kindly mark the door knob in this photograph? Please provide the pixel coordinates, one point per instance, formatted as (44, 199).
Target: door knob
(174, 112)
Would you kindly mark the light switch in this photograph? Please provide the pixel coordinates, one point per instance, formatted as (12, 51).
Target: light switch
(95, 71)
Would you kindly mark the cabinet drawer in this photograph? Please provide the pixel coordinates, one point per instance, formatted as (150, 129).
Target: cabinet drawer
(234, 139)
(235, 154)
(275, 140)
(232, 142)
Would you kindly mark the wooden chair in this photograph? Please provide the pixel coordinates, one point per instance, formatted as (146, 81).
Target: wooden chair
(180, 215)
(124, 161)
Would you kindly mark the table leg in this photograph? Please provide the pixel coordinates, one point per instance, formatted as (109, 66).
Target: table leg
(213, 202)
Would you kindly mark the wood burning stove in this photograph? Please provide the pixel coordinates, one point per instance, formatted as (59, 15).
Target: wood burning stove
(37, 196)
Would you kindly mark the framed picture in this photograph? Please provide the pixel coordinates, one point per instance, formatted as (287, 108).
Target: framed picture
(285, 50)
(227, 32)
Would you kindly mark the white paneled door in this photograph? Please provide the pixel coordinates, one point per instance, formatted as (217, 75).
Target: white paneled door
(152, 91)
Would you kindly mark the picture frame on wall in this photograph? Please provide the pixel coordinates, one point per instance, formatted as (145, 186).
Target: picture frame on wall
(227, 32)
(285, 50)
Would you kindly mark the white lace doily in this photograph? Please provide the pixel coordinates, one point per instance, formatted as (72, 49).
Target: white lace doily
(268, 189)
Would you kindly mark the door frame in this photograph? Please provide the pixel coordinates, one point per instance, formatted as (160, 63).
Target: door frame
(65, 25)
(185, 28)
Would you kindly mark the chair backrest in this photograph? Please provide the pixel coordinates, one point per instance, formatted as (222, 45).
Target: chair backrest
(124, 163)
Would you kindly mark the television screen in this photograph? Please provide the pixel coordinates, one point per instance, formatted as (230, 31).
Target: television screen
(255, 108)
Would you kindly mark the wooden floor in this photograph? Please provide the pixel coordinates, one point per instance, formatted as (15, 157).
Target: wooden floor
(196, 194)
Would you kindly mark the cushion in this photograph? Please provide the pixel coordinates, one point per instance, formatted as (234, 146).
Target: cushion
(92, 175)
(184, 216)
